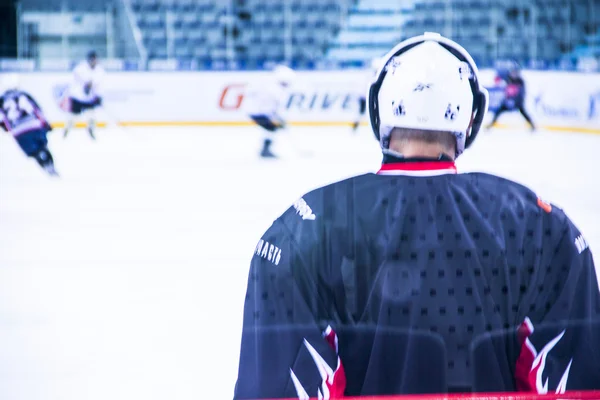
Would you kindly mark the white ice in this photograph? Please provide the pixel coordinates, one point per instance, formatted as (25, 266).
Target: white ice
(125, 278)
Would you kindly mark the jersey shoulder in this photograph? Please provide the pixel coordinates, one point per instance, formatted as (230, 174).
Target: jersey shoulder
(11, 94)
(308, 214)
(519, 197)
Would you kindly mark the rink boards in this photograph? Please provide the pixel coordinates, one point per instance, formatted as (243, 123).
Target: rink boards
(566, 101)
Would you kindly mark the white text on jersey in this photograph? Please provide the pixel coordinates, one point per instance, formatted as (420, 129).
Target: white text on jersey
(304, 210)
(268, 251)
(581, 244)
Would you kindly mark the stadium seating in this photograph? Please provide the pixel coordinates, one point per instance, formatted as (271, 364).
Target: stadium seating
(372, 28)
(247, 31)
(66, 5)
(525, 31)
(348, 32)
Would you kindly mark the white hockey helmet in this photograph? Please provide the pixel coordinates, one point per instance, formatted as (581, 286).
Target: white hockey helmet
(428, 82)
(284, 74)
(9, 81)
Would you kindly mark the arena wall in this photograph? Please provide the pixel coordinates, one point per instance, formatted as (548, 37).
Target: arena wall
(556, 100)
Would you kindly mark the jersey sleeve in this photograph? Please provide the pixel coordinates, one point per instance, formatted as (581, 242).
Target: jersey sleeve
(287, 350)
(560, 336)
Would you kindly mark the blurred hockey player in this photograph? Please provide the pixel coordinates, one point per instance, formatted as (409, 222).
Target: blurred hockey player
(21, 116)
(362, 97)
(418, 279)
(263, 104)
(514, 95)
(84, 92)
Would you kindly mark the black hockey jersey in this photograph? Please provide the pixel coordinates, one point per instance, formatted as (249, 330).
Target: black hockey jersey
(420, 280)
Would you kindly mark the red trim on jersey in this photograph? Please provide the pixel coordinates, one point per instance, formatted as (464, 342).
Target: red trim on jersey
(569, 395)
(338, 384)
(419, 166)
(424, 166)
(524, 374)
(6, 122)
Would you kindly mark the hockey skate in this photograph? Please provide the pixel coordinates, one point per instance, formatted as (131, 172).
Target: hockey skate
(49, 168)
(266, 150)
(267, 153)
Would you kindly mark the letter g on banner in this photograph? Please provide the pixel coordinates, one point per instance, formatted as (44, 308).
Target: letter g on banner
(232, 96)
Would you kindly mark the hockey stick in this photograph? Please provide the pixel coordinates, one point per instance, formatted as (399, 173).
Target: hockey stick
(115, 122)
(290, 138)
(292, 141)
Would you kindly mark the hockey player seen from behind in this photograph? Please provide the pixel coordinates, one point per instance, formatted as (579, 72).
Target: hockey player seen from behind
(419, 279)
(263, 104)
(22, 117)
(84, 95)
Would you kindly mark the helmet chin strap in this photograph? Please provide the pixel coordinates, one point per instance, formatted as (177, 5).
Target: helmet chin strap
(393, 153)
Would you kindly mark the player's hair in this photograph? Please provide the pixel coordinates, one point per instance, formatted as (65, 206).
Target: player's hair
(444, 138)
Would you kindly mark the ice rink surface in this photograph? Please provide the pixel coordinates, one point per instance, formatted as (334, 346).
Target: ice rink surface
(125, 278)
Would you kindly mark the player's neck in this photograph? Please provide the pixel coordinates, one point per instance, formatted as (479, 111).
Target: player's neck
(418, 149)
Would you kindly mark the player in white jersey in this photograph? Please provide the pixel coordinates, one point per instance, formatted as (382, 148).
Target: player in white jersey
(84, 92)
(362, 97)
(21, 116)
(263, 103)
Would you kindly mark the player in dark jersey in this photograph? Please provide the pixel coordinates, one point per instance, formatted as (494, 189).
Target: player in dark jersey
(514, 95)
(417, 279)
(21, 116)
